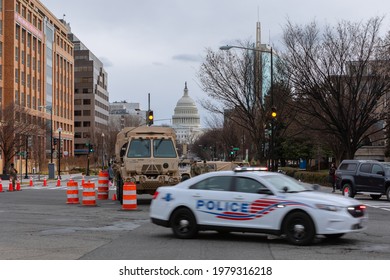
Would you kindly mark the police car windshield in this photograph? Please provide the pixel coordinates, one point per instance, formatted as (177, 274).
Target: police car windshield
(284, 183)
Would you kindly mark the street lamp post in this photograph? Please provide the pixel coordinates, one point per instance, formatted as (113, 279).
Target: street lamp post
(59, 152)
(226, 48)
(102, 151)
(26, 155)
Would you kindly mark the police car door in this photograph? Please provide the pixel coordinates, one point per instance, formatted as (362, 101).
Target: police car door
(258, 208)
(212, 199)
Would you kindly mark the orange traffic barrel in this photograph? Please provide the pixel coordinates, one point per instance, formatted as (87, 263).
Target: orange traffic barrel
(129, 196)
(89, 196)
(103, 185)
(72, 192)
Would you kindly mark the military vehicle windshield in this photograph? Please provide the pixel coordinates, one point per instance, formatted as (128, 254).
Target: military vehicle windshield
(139, 148)
(162, 148)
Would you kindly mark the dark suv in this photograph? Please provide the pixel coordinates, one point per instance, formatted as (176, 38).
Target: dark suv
(364, 177)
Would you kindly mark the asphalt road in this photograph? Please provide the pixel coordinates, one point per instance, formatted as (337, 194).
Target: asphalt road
(38, 224)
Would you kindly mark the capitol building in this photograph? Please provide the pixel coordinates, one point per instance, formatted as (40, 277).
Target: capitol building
(186, 119)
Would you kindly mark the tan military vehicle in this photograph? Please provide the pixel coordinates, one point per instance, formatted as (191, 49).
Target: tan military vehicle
(147, 156)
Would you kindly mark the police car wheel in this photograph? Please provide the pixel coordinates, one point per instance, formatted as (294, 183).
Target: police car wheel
(299, 228)
(183, 224)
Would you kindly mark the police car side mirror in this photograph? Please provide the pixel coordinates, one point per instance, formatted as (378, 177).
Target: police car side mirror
(264, 191)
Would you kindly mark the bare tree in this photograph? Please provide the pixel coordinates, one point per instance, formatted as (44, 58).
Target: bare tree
(229, 80)
(15, 126)
(339, 78)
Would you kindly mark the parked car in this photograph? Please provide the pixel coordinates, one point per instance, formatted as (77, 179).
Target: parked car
(246, 200)
(364, 177)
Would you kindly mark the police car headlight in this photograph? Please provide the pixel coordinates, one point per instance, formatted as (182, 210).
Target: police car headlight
(328, 207)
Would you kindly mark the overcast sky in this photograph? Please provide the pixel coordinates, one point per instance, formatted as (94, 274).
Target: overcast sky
(155, 46)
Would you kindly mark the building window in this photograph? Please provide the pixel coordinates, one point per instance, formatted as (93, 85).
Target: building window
(23, 77)
(16, 75)
(86, 124)
(16, 97)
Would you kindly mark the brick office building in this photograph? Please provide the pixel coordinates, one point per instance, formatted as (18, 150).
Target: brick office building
(37, 78)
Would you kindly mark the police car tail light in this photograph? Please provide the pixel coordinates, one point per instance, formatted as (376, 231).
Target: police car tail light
(155, 195)
(357, 211)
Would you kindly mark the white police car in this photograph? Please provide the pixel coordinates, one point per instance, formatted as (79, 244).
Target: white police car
(253, 201)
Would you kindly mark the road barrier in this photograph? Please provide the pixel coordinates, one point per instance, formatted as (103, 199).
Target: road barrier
(72, 192)
(129, 196)
(103, 185)
(89, 196)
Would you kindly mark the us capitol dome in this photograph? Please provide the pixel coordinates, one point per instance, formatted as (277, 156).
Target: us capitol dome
(186, 119)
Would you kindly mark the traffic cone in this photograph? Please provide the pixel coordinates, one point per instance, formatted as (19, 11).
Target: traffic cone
(114, 196)
(58, 182)
(10, 186)
(1, 186)
(45, 182)
(31, 182)
(18, 185)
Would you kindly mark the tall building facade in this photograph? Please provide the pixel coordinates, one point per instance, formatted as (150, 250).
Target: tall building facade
(186, 119)
(91, 98)
(36, 74)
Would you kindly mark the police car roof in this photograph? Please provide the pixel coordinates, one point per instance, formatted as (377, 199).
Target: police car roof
(246, 169)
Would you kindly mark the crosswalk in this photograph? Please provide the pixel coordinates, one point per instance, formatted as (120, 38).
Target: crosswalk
(384, 206)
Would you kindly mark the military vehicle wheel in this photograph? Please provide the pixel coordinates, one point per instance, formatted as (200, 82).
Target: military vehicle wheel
(185, 177)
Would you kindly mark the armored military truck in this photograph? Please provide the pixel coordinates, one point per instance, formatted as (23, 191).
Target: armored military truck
(147, 156)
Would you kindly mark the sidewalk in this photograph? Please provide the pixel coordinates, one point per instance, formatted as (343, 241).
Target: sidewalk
(41, 177)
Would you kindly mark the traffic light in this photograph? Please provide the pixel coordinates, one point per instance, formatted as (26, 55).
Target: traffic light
(273, 113)
(90, 148)
(150, 117)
